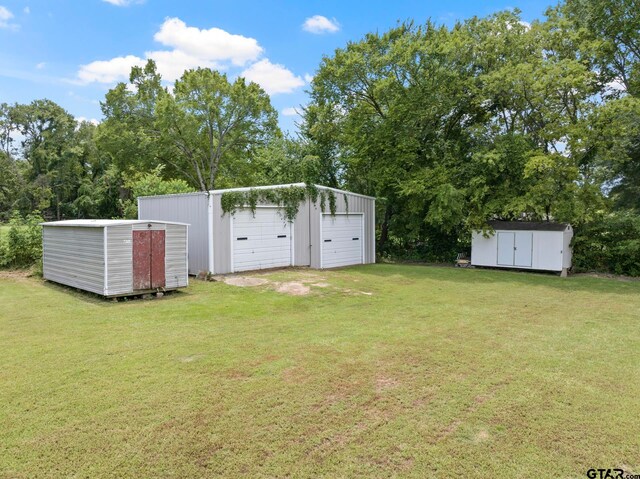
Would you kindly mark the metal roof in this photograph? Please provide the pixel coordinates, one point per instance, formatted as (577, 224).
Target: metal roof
(528, 225)
(103, 223)
(266, 187)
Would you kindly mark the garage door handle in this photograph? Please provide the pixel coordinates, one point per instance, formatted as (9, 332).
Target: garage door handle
(327, 241)
(241, 238)
(355, 239)
(282, 236)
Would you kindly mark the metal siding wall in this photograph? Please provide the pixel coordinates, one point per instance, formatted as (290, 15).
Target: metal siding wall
(301, 239)
(74, 257)
(176, 256)
(221, 238)
(119, 260)
(356, 204)
(191, 209)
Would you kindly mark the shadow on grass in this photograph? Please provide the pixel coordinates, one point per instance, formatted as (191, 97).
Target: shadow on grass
(98, 300)
(466, 276)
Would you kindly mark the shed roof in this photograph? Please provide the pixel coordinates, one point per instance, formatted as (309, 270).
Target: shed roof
(528, 225)
(266, 187)
(103, 223)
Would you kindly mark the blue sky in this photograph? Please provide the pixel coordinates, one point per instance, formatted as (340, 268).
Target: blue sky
(72, 52)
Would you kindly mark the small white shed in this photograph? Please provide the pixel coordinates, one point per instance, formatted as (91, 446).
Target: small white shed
(524, 245)
(116, 257)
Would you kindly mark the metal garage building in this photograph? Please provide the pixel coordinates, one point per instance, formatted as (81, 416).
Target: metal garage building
(524, 245)
(116, 257)
(222, 243)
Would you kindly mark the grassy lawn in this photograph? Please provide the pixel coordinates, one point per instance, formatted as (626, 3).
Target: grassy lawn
(383, 370)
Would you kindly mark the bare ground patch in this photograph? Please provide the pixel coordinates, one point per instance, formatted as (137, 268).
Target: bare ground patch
(293, 288)
(244, 281)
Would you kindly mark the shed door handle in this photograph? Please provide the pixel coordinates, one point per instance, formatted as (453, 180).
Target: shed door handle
(327, 241)
(282, 236)
(241, 238)
(355, 239)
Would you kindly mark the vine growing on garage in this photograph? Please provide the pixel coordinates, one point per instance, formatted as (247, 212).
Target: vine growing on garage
(288, 199)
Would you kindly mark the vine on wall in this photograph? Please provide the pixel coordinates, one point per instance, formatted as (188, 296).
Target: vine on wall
(288, 199)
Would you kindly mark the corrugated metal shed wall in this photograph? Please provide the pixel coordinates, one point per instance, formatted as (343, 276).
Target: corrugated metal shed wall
(119, 260)
(176, 273)
(64, 248)
(221, 237)
(353, 204)
(188, 208)
(301, 238)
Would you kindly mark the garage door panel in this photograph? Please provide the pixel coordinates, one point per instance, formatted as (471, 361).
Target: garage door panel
(260, 241)
(341, 240)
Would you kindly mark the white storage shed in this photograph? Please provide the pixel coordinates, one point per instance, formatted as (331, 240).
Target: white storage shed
(524, 245)
(246, 240)
(116, 257)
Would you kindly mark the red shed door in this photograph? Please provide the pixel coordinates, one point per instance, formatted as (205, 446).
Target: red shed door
(157, 259)
(148, 259)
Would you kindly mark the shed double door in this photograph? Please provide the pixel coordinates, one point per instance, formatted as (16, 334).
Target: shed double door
(148, 259)
(515, 249)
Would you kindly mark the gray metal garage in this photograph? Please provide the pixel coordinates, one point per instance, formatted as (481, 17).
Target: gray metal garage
(116, 257)
(246, 240)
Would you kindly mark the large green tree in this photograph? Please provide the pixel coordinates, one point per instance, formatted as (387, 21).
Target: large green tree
(452, 127)
(212, 127)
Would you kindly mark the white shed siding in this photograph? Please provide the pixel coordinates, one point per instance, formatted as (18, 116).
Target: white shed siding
(190, 208)
(119, 260)
(550, 250)
(547, 250)
(176, 273)
(66, 248)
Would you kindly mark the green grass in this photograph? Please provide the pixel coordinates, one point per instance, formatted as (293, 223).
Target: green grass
(439, 372)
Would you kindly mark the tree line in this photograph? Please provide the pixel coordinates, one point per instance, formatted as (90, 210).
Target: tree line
(448, 127)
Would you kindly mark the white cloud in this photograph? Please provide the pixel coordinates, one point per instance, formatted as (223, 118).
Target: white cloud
(26, 10)
(41, 65)
(615, 85)
(122, 3)
(319, 24)
(5, 17)
(308, 78)
(173, 63)
(192, 48)
(213, 44)
(291, 111)
(272, 77)
(108, 71)
(81, 119)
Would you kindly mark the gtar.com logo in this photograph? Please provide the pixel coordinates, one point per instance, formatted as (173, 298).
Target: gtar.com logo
(605, 474)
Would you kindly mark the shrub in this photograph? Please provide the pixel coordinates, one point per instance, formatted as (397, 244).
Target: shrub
(21, 245)
(610, 245)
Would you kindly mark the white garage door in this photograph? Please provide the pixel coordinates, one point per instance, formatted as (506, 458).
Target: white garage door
(341, 240)
(260, 241)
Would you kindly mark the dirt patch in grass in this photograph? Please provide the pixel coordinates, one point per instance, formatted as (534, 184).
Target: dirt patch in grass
(383, 383)
(244, 281)
(15, 274)
(293, 288)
